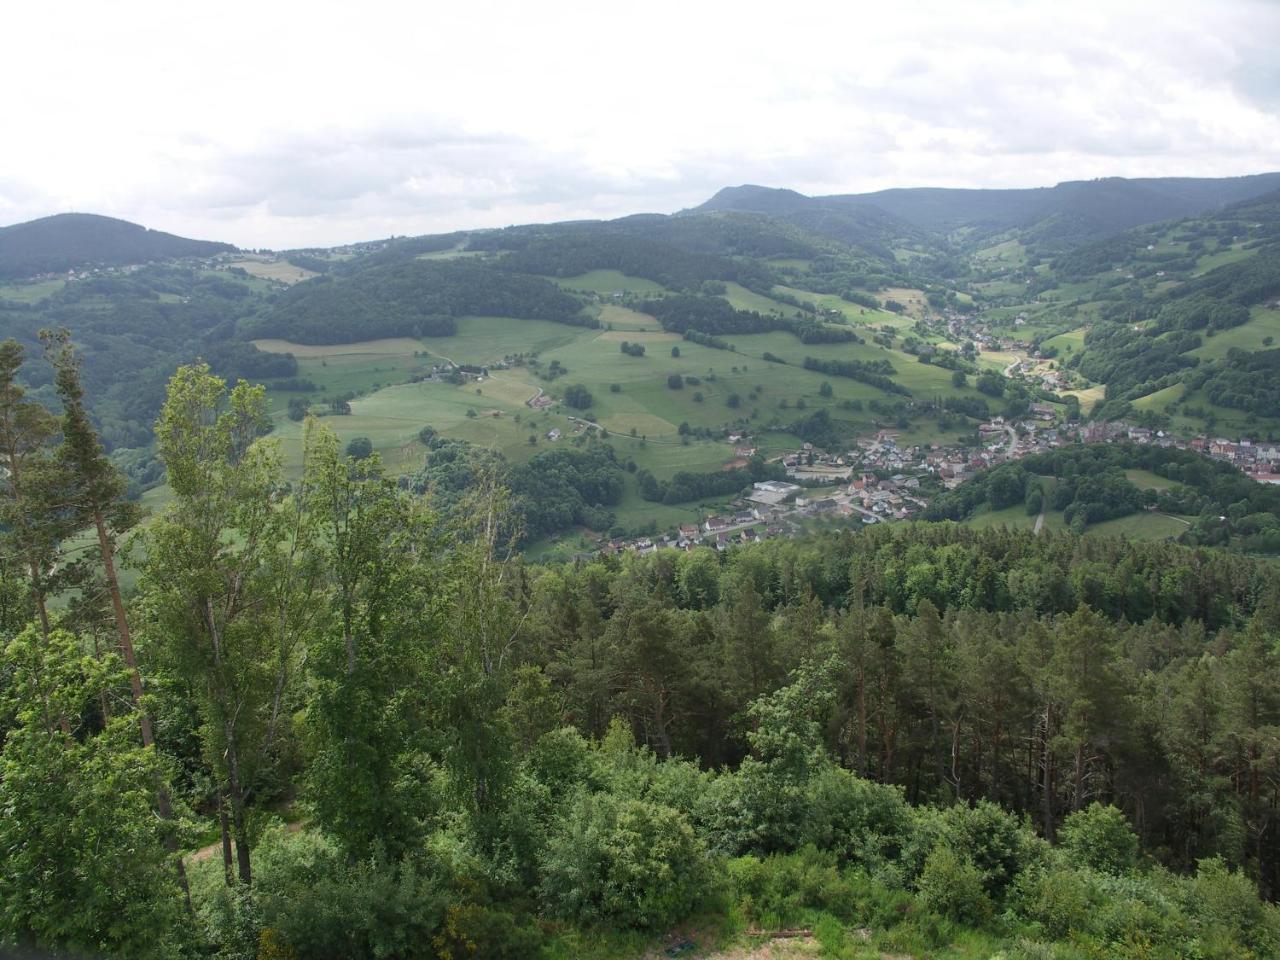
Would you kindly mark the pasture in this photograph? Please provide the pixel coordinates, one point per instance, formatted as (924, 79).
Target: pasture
(30, 292)
(609, 282)
(1066, 343)
(1261, 332)
(280, 271)
(616, 317)
(743, 299)
(853, 312)
(1146, 480)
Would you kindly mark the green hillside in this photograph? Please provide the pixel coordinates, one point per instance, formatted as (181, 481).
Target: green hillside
(73, 241)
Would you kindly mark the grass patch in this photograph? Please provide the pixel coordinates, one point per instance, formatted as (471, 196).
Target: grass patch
(280, 271)
(1146, 480)
(1263, 324)
(1141, 526)
(624, 318)
(30, 292)
(743, 299)
(609, 281)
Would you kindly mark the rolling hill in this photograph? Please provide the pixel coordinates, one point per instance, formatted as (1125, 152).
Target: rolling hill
(1063, 215)
(70, 241)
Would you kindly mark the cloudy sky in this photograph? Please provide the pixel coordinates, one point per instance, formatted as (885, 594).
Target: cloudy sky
(276, 124)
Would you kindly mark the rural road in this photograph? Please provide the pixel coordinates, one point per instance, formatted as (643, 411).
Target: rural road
(1013, 441)
(1040, 519)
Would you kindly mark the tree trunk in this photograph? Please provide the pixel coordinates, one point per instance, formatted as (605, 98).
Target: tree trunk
(239, 819)
(225, 826)
(862, 722)
(1047, 798)
(135, 686)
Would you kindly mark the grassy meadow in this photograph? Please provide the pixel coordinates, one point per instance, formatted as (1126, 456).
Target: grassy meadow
(281, 271)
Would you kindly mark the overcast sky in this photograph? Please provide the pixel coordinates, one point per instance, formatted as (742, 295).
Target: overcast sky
(272, 124)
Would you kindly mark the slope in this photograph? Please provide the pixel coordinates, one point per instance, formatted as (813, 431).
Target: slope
(69, 241)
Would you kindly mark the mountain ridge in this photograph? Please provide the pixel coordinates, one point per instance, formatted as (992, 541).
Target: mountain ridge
(70, 241)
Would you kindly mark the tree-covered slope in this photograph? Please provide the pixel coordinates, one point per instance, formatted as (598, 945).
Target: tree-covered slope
(1063, 215)
(412, 298)
(70, 241)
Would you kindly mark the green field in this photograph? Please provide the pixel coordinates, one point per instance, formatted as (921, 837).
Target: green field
(30, 292)
(1141, 526)
(609, 281)
(1226, 422)
(618, 317)
(1263, 325)
(853, 312)
(1136, 526)
(743, 299)
(1067, 343)
(1146, 480)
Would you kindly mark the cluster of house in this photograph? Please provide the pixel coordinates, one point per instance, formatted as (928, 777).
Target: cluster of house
(881, 480)
(1259, 461)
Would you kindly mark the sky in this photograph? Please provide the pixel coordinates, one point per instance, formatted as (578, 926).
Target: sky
(275, 124)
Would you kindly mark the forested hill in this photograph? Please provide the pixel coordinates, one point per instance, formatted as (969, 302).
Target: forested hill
(1070, 212)
(69, 241)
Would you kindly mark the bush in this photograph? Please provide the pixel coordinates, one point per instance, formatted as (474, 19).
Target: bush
(625, 862)
(578, 396)
(312, 900)
(1227, 906)
(952, 886)
(1056, 899)
(360, 448)
(1099, 837)
(779, 891)
(992, 840)
(859, 821)
(753, 811)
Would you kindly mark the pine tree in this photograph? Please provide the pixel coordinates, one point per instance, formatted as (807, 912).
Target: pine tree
(31, 535)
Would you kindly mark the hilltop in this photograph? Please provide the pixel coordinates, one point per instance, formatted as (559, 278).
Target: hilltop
(1064, 215)
(71, 241)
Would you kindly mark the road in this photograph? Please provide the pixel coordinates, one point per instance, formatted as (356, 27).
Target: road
(1013, 440)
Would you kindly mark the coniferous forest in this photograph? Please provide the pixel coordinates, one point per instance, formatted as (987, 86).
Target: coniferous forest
(315, 718)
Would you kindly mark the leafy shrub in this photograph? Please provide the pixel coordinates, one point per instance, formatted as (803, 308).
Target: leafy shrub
(627, 862)
(952, 886)
(360, 448)
(992, 840)
(1099, 837)
(1056, 899)
(779, 891)
(1225, 905)
(859, 821)
(321, 906)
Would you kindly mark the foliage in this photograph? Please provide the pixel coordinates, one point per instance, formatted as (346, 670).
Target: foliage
(577, 396)
(82, 866)
(878, 373)
(626, 862)
(1099, 838)
(416, 298)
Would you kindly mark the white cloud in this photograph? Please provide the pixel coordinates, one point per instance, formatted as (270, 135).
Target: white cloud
(306, 124)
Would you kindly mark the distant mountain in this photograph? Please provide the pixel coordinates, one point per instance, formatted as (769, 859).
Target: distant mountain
(1057, 217)
(70, 241)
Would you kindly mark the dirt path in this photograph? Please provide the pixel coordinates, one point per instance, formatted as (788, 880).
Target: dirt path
(1039, 519)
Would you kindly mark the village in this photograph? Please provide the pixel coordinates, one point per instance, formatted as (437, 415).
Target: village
(878, 480)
